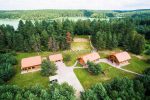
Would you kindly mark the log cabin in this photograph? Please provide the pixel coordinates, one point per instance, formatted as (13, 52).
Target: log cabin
(31, 63)
(120, 58)
(92, 57)
(56, 57)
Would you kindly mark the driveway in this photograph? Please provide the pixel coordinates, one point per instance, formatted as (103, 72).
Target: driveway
(66, 74)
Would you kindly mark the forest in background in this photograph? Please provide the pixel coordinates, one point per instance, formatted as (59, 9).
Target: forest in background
(50, 14)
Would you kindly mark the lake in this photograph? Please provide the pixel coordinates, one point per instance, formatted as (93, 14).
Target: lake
(15, 22)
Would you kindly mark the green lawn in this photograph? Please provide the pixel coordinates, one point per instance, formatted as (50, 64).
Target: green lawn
(137, 65)
(29, 79)
(87, 79)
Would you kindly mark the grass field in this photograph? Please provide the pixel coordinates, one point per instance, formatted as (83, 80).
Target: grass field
(137, 65)
(87, 80)
(29, 79)
(80, 46)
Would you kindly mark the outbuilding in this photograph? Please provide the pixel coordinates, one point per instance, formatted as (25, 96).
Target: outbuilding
(56, 57)
(120, 58)
(92, 57)
(31, 63)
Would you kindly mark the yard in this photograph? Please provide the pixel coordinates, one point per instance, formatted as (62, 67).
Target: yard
(29, 79)
(137, 65)
(87, 79)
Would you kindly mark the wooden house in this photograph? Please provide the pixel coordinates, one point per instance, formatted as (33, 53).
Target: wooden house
(31, 63)
(119, 58)
(92, 57)
(56, 57)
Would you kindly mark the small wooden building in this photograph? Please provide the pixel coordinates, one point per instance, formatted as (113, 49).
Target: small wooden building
(31, 63)
(92, 57)
(56, 57)
(120, 58)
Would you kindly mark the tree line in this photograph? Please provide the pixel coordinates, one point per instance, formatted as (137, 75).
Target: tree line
(40, 14)
(118, 33)
(57, 35)
(36, 36)
(53, 92)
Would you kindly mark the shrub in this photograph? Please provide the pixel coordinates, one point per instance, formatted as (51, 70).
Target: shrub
(48, 68)
(148, 60)
(147, 52)
(67, 57)
(94, 68)
(7, 70)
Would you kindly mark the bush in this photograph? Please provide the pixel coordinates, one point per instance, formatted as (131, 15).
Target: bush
(94, 68)
(147, 52)
(7, 70)
(148, 60)
(48, 68)
(67, 57)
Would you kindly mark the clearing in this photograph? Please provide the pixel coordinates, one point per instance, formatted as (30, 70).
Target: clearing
(80, 43)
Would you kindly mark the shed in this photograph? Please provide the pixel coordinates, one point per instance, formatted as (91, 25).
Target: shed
(31, 63)
(56, 57)
(92, 57)
(120, 58)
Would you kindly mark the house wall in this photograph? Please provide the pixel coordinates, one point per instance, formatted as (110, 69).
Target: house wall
(30, 68)
(124, 62)
(113, 59)
(81, 61)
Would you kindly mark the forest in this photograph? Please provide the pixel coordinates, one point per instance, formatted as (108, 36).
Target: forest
(52, 35)
(53, 13)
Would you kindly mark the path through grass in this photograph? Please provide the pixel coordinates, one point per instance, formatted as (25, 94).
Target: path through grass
(87, 79)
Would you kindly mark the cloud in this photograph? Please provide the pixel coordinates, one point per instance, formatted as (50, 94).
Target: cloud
(74, 4)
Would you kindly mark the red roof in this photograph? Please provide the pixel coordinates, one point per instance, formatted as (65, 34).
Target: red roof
(90, 57)
(55, 57)
(122, 56)
(31, 61)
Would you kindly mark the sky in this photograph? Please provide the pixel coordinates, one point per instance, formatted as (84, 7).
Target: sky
(74, 4)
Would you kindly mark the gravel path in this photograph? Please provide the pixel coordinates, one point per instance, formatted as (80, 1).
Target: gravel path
(66, 74)
(93, 49)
